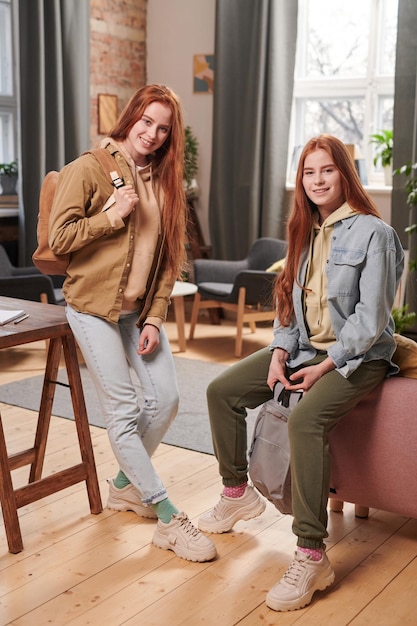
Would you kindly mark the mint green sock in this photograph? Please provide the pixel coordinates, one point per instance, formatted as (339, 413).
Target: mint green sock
(165, 510)
(121, 480)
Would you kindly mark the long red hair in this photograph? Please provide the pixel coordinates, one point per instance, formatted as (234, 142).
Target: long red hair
(167, 164)
(300, 221)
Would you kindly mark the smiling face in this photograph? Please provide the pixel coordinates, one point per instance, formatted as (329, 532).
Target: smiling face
(149, 132)
(322, 182)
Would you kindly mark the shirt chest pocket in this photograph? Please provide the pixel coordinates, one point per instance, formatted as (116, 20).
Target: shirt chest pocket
(344, 271)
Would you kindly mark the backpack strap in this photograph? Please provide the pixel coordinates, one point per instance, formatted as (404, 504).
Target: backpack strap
(108, 164)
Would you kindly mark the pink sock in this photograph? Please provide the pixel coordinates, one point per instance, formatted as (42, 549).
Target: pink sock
(315, 554)
(235, 492)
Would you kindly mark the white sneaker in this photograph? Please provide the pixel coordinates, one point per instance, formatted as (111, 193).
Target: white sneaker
(128, 499)
(303, 577)
(228, 511)
(180, 536)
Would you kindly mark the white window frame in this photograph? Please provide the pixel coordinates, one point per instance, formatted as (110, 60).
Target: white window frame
(371, 87)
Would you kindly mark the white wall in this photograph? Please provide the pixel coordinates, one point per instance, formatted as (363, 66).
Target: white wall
(176, 30)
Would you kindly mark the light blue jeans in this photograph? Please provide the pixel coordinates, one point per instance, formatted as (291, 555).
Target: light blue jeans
(134, 431)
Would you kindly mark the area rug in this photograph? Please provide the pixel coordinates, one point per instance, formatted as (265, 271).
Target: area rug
(190, 429)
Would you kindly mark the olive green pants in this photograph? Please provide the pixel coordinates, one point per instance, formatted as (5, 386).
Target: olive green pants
(243, 386)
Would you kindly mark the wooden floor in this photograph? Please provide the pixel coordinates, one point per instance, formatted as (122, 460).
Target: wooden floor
(81, 569)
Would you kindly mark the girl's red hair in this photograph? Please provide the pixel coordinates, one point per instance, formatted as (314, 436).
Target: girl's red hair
(167, 164)
(300, 220)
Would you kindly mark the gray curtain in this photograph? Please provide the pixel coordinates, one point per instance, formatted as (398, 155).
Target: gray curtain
(405, 130)
(54, 98)
(255, 46)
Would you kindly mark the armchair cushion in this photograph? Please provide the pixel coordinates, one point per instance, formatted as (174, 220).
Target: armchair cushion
(258, 286)
(276, 267)
(215, 290)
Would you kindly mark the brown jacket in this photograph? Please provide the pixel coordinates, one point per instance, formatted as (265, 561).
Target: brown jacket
(102, 248)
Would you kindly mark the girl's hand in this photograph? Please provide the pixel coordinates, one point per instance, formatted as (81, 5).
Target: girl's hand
(277, 368)
(307, 376)
(148, 340)
(126, 200)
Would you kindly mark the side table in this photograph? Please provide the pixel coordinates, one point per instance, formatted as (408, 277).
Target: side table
(45, 322)
(181, 289)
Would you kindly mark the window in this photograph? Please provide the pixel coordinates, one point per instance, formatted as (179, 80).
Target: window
(7, 90)
(344, 75)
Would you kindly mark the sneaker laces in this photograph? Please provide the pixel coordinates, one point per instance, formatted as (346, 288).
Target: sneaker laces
(216, 509)
(187, 525)
(295, 570)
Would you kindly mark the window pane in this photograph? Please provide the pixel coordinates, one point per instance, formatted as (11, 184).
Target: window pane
(341, 117)
(388, 37)
(6, 79)
(386, 112)
(338, 38)
(385, 121)
(344, 77)
(6, 137)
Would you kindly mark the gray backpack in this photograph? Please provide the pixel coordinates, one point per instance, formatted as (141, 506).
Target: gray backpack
(269, 454)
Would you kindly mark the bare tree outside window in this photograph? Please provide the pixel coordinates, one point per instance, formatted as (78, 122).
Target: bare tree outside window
(337, 39)
(344, 77)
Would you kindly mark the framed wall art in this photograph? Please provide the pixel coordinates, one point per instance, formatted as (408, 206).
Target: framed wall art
(203, 73)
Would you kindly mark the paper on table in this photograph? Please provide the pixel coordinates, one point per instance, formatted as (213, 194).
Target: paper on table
(9, 316)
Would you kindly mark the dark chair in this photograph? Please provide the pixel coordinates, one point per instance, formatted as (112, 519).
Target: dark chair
(27, 283)
(244, 286)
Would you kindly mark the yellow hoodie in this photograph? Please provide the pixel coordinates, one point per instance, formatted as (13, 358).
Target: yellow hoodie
(315, 298)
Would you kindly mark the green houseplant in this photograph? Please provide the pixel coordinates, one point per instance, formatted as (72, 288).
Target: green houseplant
(402, 317)
(190, 163)
(384, 141)
(8, 178)
(409, 170)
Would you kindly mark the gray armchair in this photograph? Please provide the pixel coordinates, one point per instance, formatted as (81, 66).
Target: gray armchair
(243, 286)
(27, 283)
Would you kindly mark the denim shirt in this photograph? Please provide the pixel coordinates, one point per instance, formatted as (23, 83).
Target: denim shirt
(363, 271)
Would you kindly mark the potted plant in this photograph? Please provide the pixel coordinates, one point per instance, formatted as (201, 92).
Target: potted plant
(8, 178)
(410, 171)
(190, 163)
(403, 320)
(384, 144)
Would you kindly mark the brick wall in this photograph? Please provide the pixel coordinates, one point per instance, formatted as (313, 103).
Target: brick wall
(117, 52)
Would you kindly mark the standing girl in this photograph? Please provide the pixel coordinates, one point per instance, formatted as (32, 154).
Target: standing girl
(127, 249)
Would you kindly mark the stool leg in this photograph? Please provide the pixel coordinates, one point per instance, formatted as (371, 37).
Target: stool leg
(81, 421)
(8, 499)
(361, 511)
(336, 505)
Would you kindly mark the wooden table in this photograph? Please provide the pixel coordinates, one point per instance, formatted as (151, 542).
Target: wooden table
(181, 289)
(45, 322)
